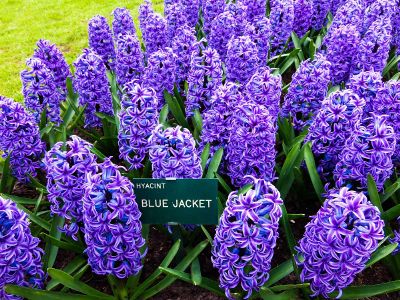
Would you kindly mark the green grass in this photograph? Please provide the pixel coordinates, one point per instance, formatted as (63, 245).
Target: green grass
(64, 22)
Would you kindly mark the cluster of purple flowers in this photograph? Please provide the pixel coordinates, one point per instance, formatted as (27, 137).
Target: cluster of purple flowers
(67, 165)
(91, 83)
(54, 60)
(336, 5)
(160, 73)
(320, 11)
(204, 77)
(307, 90)
(242, 59)
(123, 22)
(265, 88)
(191, 10)
(282, 18)
(246, 237)
(40, 91)
(20, 139)
(154, 31)
(176, 18)
(130, 60)
(112, 227)
(251, 149)
(260, 33)
(138, 119)
(255, 8)
(379, 9)
(396, 239)
(20, 255)
(145, 9)
(340, 115)
(211, 9)
(173, 153)
(303, 13)
(338, 241)
(101, 41)
(368, 151)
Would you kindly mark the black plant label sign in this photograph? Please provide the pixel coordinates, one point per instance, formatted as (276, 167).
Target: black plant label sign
(181, 201)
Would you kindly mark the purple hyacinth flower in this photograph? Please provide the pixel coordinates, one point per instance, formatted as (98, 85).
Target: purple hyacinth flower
(379, 9)
(211, 9)
(282, 18)
(396, 239)
(145, 9)
(245, 238)
(20, 255)
(67, 165)
(176, 18)
(40, 91)
(321, 9)
(303, 13)
(336, 5)
(160, 73)
(368, 151)
(341, 49)
(265, 88)
(241, 60)
(191, 10)
(374, 47)
(123, 22)
(255, 8)
(338, 241)
(204, 77)
(91, 83)
(396, 29)
(366, 85)
(155, 33)
(130, 60)
(260, 33)
(251, 149)
(101, 41)
(183, 46)
(339, 116)
(112, 223)
(138, 119)
(54, 60)
(307, 90)
(173, 153)
(20, 139)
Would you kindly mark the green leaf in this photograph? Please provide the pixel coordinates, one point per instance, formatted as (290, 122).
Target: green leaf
(196, 272)
(34, 294)
(75, 284)
(163, 114)
(392, 63)
(366, 291)
(97, 152)
(6, 178)
(312, 49)
(198, 123)
(286, 175)
(176, 110)
(75, 247)
(312, 170)
(286, 287)
(77, 263)
(204, 156)
(215, 162)
(19, 200)
(373, 193)
(380, 254)
(51, 250)
(245, 189)
(209, 238)
(289, 61)
(34, 218)
(297, 45)
(223, 183)
(280, 272)
(391, 213)
(106, 117)
(389, 191)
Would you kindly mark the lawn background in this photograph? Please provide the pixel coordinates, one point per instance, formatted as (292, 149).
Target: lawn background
(64, 22)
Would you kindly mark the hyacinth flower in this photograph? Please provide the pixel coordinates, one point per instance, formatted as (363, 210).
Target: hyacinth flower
(91, 83)
(336, 5)
(155, 33)
(239, 12)
(367, 85)
(374, 47)
(183, 46)
(303, 13)
(40, 91)
(251, 149)
(176, 18)
(123, 22)
(396, 239)
(241, 60)
(20, 139)
(191, 10)
(265, 88)
(20, 259)
(160, 73)
(245, 238)
(54, 60)
(255, 8)
(138, 119)
(222, 30)
(308, 88)
(205, 76)
(350, 13)
(67, 166)
(396, 29)
(282, 18)
(368, 152)
(338, 241)
(145, 9)
(321, 9)
(211, 9)
(101, 41)
(341, 49)
(112, 223)
(339, 116)
(130, 60)
(260, 33)
(378, 9)
(173, 153)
